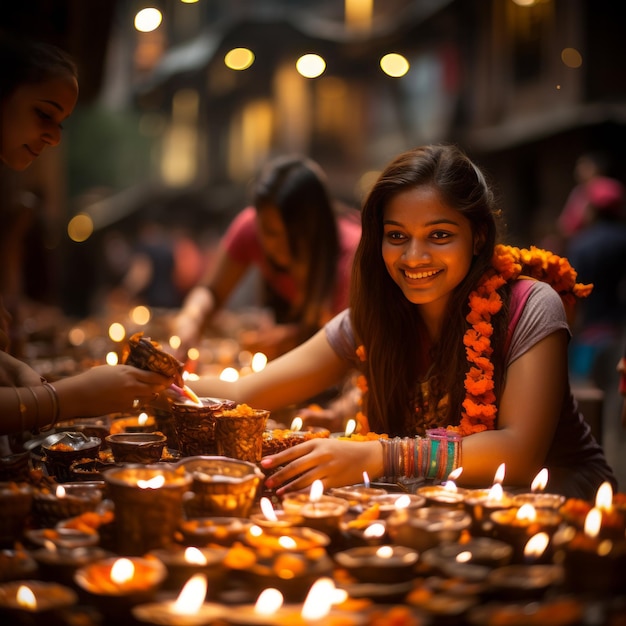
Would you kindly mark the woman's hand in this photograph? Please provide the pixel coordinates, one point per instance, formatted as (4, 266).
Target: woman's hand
(109, 389)
(333, 461)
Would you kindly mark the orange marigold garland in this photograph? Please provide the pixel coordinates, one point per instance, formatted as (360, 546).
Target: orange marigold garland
(509, 263)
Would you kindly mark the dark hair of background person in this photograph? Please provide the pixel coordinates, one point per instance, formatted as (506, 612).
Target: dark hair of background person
(388, 320)
(295, 187)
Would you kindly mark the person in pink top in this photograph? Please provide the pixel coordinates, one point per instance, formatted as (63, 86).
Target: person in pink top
(303, 245)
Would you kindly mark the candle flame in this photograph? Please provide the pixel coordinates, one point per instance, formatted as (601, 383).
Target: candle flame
(526, 512)
(259, 361)
(142, 419)
(593, 521)
(26, 598)
(455, 473)
(60, 492)
(296, 423)
(193, 556)
(268, 602)
(188, 391)
(384, 552)
(350, 427)
(496, 493)
(540, 481)
(317, 490)
(499, 475)
(319, 599)
(255, 531)
(464, 557)
(536, 545)
(267, 509)
(289, 543)
(122, 571)
(191, 596)
(366, 479)
(403, 502)
(49, 545)
(153, 483)
(450, 485)
(604, 497)
(374, 530)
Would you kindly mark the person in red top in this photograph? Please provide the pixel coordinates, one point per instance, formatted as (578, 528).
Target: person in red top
(302, 244)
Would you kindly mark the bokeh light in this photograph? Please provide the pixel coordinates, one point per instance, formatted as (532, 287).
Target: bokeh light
(148, 19)
(239, 58)
(394, 65)
(80, 228)
(311, 65)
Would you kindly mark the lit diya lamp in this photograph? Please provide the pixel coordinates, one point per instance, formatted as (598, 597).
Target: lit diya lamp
(593, 563)
(358, 494)
(188, 609)
(269, 517)
(323, 513)
(446, 494)
(142, 423)
(349, 430)
(390, 502)
(117, 584)
(183, 563)
(538, 497)
(317, 608)
(516, 525)
(379, 564)
(481, 503)
(35, 602)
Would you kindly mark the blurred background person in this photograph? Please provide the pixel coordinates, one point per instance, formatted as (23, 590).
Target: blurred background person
(302, 244)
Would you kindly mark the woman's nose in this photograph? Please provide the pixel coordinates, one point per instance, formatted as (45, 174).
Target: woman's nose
(415, 251)
(52, 136)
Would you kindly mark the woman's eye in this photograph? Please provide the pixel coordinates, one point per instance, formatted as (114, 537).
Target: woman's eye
(440, 234)
(395, 236)
(43, 115)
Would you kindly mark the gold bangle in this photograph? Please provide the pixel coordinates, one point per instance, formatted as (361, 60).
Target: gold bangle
(35, 430)
(56, 409)
(21, 407)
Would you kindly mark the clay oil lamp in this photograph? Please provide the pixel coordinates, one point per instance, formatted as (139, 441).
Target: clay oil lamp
(115, 585)
(390, 502)
(537, 496)
(62, 449)
(32, 602)
(365, 533)
(593, 564)
(60, 564)
(182, 563)
(360, 494)
(148, 503)
(269, 517)
(68, 500)
(517, 582)
(323, 513)
(188, 609)
(481, 503)
(446, 495)
(427, 527)
(348, 431)
(315, 610)
(517, 525)
(203, 531)
(277, 439)
(142, 423)
(16, 564)
(385, 564)
(137, 447)
(470, 560)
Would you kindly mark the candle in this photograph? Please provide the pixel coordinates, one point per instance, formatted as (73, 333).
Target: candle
(481, 503)
(537, 496)
(183, 563)
(446, 495)
(142, 423)
(379, 564)
(189, 608)
(148, 503)
(269, 517)
(35, 602)
(593, 563)
(517, 525)
(390, 502)
(117, 584)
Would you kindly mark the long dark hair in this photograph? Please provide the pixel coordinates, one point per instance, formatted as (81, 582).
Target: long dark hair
(295, 186)
(385, 322)
(26, 62)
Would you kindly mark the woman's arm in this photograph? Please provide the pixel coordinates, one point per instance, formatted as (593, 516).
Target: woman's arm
(528, 414)
(293, 377)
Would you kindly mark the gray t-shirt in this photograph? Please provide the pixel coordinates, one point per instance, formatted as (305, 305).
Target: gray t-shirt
(575, 461)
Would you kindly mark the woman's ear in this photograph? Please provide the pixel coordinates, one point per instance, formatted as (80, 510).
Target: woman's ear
(479, 242)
